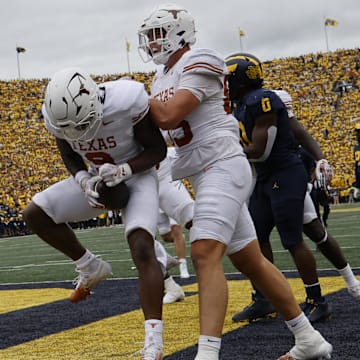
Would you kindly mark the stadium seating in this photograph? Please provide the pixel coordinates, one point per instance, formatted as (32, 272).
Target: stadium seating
(30, 161)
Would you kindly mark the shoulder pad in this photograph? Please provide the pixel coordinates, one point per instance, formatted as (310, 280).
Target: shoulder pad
(126, 95)
(127, 90)
(285, 97)
(123, 94)
(255, 96)
(204, 61)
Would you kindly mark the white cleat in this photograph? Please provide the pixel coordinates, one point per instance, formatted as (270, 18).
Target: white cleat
(95, 272)
(354, 291)
(174, 293)
(314, 347)
(152, 352)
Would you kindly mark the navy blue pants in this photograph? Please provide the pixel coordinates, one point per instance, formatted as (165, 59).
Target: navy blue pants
(278, 201)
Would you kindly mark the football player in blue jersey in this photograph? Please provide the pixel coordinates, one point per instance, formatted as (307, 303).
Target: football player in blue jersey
(281, 179)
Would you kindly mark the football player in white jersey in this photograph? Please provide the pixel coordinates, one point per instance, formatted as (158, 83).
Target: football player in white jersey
(189, 100)
(108, 128)
(171, 232)
(176, 210)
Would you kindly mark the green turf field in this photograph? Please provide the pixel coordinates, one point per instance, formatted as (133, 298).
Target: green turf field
(38, 322)
(29, 259)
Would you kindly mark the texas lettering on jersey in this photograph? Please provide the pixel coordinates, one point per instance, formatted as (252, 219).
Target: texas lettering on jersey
(94, 145)
(165, 95)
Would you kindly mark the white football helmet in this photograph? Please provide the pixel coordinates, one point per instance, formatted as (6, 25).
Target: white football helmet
(168, 28)
(73, 104)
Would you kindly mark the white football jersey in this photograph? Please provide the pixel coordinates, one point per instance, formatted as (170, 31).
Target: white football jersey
(164, 168)
(211, 128)
(125, 104)
(287, 100)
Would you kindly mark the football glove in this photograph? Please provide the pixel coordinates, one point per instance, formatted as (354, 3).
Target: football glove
(114, 174)
(88, 183)
(323, 173)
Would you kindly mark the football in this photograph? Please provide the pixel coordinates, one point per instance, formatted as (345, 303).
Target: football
(114, 198)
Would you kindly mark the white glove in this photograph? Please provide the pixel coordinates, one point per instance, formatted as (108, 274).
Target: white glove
(114, 174)
(323, 173)
(87, 183)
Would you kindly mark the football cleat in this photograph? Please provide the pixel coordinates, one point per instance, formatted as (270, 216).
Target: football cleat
(152, 352)
(354, 291)
(315, 347)
(96, 271)
(317, 311)
(260, 308)
(174, 293)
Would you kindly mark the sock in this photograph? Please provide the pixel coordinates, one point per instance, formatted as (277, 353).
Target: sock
(298, 324)
(348, 276)
(153, 332)
(313, 291)
(208, 347)
(84, 261)
(183, 265)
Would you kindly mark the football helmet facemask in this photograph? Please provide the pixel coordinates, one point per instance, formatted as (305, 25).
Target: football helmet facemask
(168, 28)
(73, 104)
(245, 70)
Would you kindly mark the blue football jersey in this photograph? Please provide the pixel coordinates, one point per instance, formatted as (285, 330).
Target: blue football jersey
(284, 152)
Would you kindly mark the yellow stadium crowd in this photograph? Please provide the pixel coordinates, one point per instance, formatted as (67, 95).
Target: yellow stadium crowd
(326, 99)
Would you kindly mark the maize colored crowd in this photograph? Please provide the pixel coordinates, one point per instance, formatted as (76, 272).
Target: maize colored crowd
(326, 99)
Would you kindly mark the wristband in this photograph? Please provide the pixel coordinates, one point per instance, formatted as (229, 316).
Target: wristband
(125, 170)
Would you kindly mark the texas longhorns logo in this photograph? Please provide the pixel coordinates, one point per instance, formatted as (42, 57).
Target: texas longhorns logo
(82, 89)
